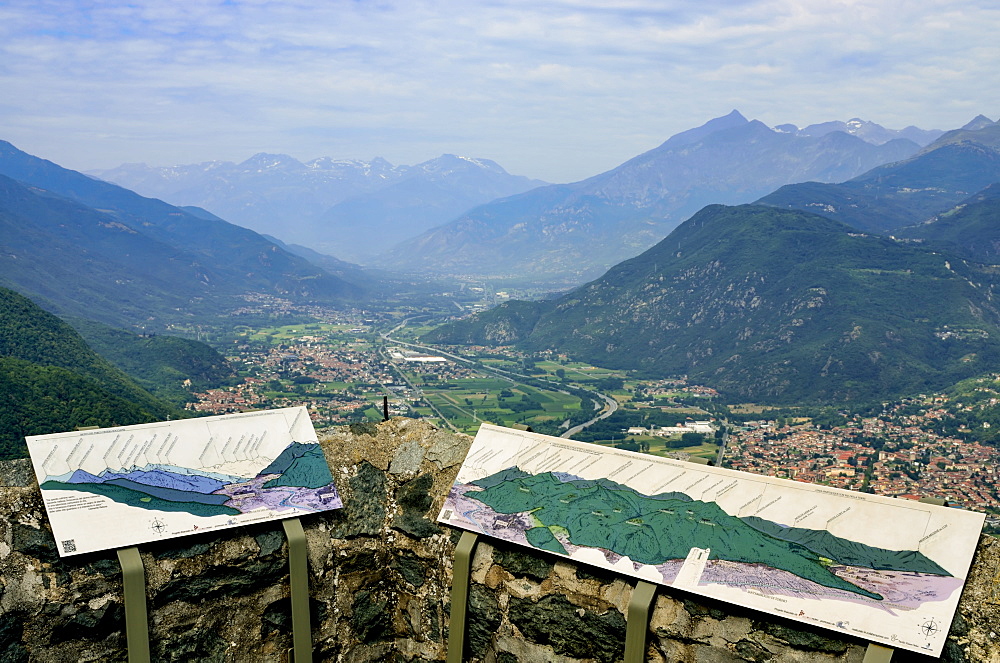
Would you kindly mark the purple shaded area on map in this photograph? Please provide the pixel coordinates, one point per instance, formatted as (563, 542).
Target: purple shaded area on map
(251, 496)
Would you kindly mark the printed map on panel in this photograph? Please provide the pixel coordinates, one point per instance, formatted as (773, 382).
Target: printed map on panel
(116, 487)
(883, 569)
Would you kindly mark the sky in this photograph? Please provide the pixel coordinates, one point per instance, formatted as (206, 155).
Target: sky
(557, 90)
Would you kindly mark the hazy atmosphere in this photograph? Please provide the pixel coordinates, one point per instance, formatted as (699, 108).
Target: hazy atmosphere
(552, 90)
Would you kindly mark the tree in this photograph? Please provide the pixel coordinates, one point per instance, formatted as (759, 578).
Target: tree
(610, 384)
(692, 439)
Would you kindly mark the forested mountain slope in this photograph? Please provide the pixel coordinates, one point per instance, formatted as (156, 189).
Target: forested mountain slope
(51, 381)
(770, 305)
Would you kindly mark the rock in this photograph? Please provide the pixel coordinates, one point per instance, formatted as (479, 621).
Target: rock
(522, 562)
(448, 450)
(414, 500)
(11, 632)
(17, 473)
(371, 619)
(364, 509)
(412, 568)
(407, 460)
(556, 622)
(483, 620)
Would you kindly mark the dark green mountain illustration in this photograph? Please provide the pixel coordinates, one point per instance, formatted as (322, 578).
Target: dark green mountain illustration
(849, 552)
(301, 465)
(145, 497)
(654, 530)
(508, 474)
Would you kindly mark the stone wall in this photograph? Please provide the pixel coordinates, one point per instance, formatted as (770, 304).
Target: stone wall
(380, 578)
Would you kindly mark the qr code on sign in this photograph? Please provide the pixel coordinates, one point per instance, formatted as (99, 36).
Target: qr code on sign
(69, 545)
(446, 514)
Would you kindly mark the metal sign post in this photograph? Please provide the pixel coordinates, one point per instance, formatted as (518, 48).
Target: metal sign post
(637, 623)
(298, 578)
(460, 595)
(136, 619)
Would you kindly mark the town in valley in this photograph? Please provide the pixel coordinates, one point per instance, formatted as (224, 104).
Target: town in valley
(357, 366)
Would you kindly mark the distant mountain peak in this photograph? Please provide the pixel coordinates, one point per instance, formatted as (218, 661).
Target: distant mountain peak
(327, 163)
(265, 161)
(449, 163)
(866, 130)
(331, 204)
(569, 232)
(978, 122)
(733, 119)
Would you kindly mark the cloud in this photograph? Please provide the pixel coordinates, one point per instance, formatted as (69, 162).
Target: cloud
(559, 89)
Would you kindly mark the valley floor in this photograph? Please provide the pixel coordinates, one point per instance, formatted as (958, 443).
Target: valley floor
(341, 366)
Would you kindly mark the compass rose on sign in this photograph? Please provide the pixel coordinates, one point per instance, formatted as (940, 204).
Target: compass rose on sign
(157, 526)
(929, 628)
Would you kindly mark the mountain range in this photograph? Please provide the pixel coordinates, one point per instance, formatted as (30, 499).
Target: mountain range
(347, 208)
(895, 195)
(865, 130)
(803, 295)
(568, 233)
(798, 298)
(83, 247)
(460, 215)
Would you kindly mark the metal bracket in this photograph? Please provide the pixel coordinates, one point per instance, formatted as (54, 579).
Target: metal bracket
(461, 572)
(136, 619)
(878, 654)
(637, 622)
(298, 578)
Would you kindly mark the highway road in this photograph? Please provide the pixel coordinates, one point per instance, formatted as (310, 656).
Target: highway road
(610, 404)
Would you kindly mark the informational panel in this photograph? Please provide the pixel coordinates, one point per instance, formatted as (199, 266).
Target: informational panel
(883, 569)
(117, 487)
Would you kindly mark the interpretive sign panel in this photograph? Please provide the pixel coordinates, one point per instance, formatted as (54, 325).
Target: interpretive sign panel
(117, 487)
(887, 570)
